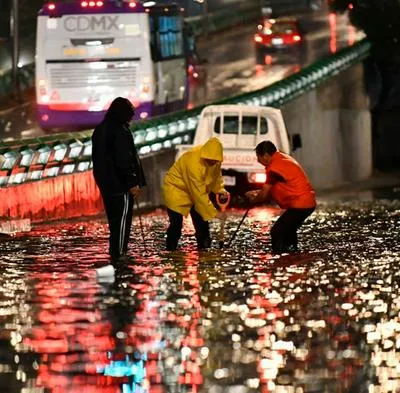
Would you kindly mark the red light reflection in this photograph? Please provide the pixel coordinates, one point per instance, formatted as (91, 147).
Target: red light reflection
(352, 35)
(332, 26)
(55, 198)
(71, 336)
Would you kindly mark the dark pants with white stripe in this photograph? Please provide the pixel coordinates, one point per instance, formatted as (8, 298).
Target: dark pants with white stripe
(174, 231)
(119, 215)
(284, 231)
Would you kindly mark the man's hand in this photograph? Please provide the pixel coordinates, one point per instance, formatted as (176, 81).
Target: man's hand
(258, 196)
(252, 195)
(135, 191)
(224, 194)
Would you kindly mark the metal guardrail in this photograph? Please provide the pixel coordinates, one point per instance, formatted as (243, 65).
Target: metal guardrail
(49, 156)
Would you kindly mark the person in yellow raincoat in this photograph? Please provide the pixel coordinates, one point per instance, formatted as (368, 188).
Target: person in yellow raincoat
(186, 189)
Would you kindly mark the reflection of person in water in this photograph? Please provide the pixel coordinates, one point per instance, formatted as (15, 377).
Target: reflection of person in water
(134, 316)
(124, 361)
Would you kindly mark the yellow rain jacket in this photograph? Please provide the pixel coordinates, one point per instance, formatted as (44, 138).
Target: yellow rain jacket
(190, 180)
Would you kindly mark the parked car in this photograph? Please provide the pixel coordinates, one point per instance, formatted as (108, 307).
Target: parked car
(277, 35)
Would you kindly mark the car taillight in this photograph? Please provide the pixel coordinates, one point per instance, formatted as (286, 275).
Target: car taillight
(51, 6)
(132, 4)
(296, 38)
(258, 38)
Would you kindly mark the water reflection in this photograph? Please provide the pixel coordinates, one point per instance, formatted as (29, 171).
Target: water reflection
(239, 320)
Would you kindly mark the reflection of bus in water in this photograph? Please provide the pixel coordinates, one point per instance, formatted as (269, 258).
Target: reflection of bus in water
(90, 51)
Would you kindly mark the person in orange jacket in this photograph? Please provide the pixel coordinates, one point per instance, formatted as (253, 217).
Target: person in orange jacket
(288, 185)
(186, 190)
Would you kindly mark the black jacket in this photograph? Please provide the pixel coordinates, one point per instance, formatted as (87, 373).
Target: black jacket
(116, 164)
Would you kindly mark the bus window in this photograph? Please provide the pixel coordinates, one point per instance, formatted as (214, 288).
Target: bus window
(166, 37)
(190, 40)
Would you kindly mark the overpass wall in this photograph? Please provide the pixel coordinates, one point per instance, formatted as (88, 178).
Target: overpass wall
(334, 123)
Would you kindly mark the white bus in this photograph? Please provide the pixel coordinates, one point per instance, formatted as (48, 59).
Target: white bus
(89, 52)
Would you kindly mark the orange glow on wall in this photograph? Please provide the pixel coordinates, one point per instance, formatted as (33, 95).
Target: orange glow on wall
(352, 35)
(333, 39)
(55, 198)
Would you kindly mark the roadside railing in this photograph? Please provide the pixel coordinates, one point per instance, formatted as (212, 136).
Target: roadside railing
(54, 155)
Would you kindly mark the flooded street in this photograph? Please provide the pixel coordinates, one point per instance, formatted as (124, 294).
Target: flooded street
(224, 321)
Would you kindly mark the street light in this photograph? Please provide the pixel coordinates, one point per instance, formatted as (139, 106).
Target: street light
(14, 30)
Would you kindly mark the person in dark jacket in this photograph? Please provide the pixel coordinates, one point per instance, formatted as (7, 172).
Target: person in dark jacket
(117, 171)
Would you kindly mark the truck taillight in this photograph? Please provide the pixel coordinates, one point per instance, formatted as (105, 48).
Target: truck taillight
(257, 177)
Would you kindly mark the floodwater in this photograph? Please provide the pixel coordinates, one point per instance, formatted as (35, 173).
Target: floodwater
(225, 321)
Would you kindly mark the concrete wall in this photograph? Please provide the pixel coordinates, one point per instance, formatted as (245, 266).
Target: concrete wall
(335, 127)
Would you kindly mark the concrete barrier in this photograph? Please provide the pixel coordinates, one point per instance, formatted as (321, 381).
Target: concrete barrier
(334, 123)
(75, 195)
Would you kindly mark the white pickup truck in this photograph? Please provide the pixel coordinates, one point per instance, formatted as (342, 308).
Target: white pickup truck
(240, 128)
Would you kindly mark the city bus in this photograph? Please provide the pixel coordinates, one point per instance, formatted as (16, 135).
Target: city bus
(89, 52)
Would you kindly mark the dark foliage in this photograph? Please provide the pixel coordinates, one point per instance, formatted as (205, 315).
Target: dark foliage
(379, 19)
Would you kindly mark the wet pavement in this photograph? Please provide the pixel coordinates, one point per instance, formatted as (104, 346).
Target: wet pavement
(237, 320)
